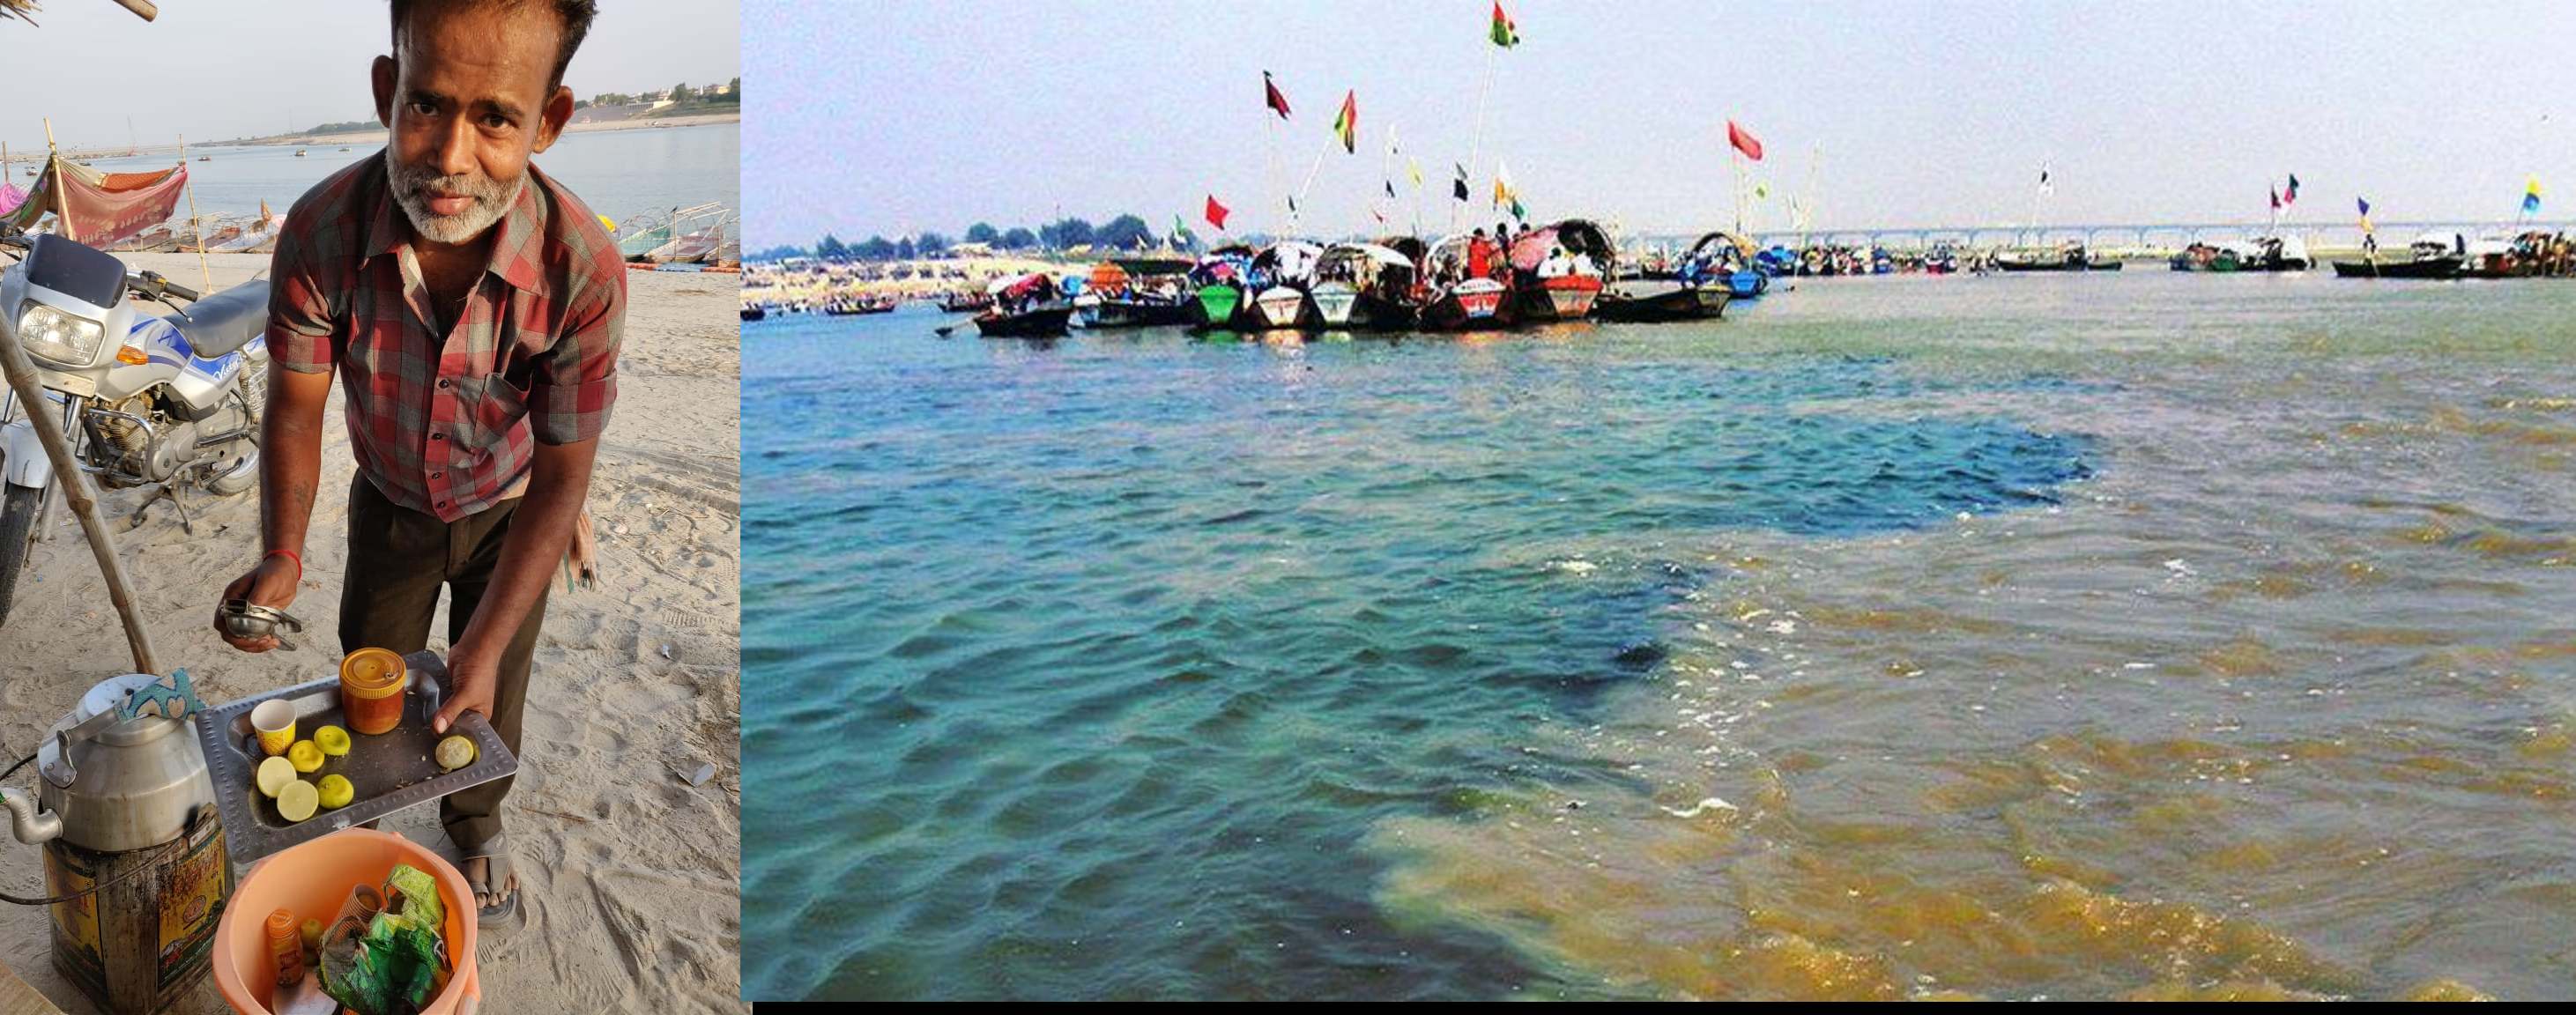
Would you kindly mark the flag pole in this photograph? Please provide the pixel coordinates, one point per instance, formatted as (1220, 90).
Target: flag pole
(1476, 148)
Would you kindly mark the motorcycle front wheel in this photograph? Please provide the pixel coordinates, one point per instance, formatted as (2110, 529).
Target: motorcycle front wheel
(17, 524)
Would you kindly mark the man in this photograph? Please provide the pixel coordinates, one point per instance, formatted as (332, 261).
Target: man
(1478, 253)
(473, 310)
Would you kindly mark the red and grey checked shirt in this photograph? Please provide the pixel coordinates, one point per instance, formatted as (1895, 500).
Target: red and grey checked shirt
(447, 424)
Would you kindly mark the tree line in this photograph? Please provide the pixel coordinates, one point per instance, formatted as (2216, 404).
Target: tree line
(1126, 232)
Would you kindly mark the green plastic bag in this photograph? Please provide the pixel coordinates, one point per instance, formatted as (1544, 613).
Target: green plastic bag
(399, 962)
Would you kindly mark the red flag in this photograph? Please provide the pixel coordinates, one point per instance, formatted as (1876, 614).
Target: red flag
(2276, 200)
(1215, 212)
(1277, 101)
(1744, 142)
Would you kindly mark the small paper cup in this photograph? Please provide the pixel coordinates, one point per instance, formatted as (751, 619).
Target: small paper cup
(275, 721)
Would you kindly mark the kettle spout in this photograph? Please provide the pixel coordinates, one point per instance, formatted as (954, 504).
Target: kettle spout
(28, 823)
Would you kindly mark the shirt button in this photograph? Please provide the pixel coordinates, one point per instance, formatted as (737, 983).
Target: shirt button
(441, 505)
(442, 382)
(438, 475)
(437, 436)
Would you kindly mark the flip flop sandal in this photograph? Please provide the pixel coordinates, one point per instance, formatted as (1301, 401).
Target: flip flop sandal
(495, 855)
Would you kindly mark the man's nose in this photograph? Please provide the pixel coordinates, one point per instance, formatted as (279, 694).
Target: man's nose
(455, 155)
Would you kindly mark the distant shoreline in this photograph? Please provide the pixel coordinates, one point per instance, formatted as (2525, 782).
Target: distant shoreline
(377, 137)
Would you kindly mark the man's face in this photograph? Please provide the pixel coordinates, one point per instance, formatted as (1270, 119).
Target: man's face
(466, 101)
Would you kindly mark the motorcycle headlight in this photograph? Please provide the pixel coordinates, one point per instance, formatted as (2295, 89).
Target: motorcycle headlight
(51, 334)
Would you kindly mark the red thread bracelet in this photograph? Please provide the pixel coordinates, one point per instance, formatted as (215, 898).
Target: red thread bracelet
(290, 555)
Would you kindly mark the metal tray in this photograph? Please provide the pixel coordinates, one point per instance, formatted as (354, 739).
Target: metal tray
(388, 772)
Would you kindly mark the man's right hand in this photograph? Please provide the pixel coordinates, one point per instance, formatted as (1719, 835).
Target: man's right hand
(272, 583)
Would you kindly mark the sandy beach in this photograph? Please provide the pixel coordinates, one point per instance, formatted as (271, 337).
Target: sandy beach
(628, 875)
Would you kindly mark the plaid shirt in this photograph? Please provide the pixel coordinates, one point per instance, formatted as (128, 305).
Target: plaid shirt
(448, 426)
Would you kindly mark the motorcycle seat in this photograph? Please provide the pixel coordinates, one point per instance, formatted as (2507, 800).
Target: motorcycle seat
(226, 321)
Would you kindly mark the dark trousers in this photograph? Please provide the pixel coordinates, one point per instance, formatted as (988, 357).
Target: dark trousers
(398, 558)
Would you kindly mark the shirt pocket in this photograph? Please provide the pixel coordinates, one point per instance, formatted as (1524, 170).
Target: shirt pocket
(488, 408)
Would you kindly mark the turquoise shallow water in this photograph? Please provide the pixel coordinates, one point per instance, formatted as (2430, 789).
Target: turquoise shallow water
(1116, 647)
(2137, 635)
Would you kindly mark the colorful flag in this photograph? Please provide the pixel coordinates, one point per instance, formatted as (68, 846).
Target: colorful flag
(1744, 141)
(1502, 184)
(1505, 33)
(1414, 168)
(1390, 188)
(1216, 213)
(2276, 199)
(2531, 196)
(1461, 188)
(2045, 187)
(2364, 204)
(1182, 232)
(1276, 101)
(1348, 123)
(2291, 196)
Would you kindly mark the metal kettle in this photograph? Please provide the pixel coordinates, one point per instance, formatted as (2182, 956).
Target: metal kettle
(114, 781)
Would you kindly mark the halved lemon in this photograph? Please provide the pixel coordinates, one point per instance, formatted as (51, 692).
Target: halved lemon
(274, 774)
(304, 756)
(333, 740)
(455, 752)
(336, 792)
(295, 802)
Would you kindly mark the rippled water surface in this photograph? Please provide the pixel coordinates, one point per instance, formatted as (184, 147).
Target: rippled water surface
(2015, 637)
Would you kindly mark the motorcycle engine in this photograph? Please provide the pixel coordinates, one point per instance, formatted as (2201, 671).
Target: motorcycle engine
(129, 450)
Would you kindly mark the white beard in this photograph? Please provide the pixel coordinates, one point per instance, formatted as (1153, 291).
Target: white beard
(491, 200)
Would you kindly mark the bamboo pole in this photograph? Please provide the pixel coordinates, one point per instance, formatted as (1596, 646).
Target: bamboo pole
(62, 201)
(196, 225)
(76, 492)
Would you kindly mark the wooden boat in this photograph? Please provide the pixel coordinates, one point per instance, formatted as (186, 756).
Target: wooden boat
(1367, 285)
(1548, 288)
(1045, 321)
(2442, 266)
(1136, 292)
(1661, 303)
(2071, 257)
(964, 302)
(1458, 301)
(1031, 306)
(1217, 285)
(754, 312)
(1281, 274)
(2209, 257)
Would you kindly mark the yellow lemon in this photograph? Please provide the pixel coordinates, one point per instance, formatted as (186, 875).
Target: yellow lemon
(336, 792)
(305, 756)
(274, 774)
(295, 802)
(333, 740)
(312, 931)
(455, 752)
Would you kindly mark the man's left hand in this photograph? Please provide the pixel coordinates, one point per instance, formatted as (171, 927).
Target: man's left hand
(469, 688)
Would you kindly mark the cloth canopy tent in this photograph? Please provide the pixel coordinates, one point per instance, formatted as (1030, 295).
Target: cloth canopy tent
(99, 209)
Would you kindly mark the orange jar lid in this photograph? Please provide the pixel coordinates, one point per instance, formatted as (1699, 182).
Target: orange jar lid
(281, 924)
(371, 673)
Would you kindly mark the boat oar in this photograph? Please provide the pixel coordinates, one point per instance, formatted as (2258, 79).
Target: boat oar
(946, 328)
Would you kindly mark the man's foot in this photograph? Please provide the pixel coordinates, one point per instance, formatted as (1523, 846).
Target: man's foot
(495, 901)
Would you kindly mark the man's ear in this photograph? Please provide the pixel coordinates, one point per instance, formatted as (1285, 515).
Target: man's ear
(551, 120)
(384, 77)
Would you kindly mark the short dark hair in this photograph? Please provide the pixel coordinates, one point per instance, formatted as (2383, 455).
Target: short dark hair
(575, 14)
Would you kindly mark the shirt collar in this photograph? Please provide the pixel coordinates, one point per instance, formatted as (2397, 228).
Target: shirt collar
(518, 248)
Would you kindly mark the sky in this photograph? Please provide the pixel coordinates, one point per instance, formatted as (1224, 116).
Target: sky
(894, 118)
(220, 69)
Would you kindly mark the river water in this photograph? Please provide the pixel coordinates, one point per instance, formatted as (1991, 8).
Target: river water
(618, 173)
(2067, 637)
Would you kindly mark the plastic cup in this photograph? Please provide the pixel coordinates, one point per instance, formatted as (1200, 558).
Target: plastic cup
(275, 721)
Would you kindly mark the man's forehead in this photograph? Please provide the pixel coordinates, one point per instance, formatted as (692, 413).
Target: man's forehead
(479, 52)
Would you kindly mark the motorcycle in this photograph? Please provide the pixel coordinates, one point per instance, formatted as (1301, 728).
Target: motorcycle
(172, 403)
